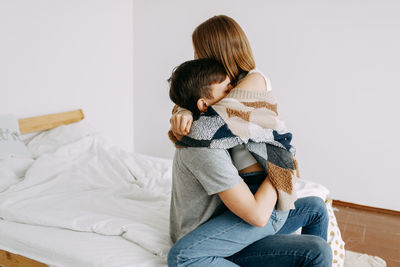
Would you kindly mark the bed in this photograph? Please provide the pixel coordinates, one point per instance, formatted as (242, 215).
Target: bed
(78, 200)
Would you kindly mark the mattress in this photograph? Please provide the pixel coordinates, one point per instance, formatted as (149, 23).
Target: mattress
(85, 202)
(66, 248)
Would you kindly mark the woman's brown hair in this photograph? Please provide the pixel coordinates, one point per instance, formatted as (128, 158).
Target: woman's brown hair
(221, 38)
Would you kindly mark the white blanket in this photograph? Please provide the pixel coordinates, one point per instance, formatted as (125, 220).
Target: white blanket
(88, 185)
(81, 182)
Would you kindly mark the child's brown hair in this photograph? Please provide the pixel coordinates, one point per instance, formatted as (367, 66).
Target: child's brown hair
(191, 81)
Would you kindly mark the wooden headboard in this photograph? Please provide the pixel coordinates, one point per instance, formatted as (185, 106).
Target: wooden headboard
(47, 122)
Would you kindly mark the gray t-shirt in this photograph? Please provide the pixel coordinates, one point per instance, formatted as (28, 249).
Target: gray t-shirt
(198, 174)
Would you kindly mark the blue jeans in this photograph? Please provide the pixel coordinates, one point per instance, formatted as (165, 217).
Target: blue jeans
(227, 240)
(286, 249)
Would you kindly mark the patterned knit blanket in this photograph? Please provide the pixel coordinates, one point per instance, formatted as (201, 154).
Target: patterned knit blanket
(250, 118)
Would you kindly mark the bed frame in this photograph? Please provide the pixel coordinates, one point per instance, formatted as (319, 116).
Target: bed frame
(30, 125)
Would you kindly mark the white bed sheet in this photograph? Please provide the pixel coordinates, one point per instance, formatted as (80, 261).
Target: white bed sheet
(66, 248)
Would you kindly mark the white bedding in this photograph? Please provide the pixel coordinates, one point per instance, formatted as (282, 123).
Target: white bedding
(82, 183)
(88, 185)
(65, 248)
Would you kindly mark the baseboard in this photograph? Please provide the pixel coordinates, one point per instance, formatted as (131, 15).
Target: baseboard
(367, 208)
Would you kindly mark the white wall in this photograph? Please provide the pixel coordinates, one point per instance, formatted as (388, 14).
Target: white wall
(334, 66)
(58, 56)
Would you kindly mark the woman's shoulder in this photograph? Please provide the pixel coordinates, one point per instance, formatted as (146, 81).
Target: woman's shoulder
(262, 77)
(255, 80)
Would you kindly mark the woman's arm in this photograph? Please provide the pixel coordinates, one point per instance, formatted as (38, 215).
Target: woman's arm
(254, 209)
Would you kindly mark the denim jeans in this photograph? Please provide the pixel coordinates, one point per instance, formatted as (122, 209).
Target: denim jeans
(286, 249)
(227, 240)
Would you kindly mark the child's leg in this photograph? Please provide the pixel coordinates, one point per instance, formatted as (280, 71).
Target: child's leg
(220, 237)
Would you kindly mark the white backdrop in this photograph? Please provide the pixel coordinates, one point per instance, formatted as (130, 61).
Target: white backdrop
(334, 66)
(58, 56)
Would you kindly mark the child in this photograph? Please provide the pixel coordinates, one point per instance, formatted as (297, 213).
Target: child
(197, 84)
(240, 119)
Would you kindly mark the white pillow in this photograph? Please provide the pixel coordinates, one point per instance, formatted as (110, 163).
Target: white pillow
(306, 188)
(11, 145)
(335, 239)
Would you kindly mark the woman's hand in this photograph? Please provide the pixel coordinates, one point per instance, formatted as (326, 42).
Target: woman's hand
(181, 122)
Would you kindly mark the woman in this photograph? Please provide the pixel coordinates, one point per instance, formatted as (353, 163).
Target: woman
(251, 232)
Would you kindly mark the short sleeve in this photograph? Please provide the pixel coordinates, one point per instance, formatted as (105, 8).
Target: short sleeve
(213, 168)
(267, 80)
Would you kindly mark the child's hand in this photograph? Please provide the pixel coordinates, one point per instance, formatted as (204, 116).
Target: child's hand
(181, 122)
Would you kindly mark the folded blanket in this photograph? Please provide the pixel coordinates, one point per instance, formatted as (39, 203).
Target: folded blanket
(250, 118)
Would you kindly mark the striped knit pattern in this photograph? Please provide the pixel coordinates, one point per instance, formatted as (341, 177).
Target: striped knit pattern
(250, 115)
(250, 118)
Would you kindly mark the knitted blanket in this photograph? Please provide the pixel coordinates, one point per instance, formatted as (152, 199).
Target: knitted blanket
(250, 118)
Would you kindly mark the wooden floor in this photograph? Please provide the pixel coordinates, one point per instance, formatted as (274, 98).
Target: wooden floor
(370, 232)
(8, 259)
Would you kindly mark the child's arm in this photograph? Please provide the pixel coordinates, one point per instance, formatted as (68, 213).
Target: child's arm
(181, 121)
